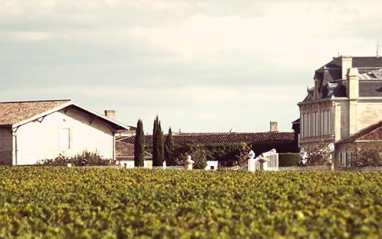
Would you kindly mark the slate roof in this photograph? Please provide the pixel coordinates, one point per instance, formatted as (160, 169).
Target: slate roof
(212, 138)
(372, 132)
(358, 62)
(370, 88)
(332, 84)
(15, 112)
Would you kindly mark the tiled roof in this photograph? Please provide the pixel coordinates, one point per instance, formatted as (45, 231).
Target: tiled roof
(126, 150)
(15, 112)
(211, 138)
(373, 132)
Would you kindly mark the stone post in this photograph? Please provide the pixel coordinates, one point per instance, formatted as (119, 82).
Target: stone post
(263, 163)
(251, 161)
(188, 163)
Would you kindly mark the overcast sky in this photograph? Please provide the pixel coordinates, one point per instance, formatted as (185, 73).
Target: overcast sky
(201, 65)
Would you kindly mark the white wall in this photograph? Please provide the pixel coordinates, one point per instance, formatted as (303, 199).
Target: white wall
(211, 164)
(46, 139)
(5, 146)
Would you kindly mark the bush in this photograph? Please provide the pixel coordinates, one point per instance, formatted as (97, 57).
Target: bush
(86, 158)
(242, 157)
(289, 159)
(319, 155)
(369, 154)
(195, 150)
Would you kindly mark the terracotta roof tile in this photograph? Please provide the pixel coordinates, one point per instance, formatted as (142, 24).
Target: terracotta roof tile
(15, 112)
(127, 150)
(211, 138)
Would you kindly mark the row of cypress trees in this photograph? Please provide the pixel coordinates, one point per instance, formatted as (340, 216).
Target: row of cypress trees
(161, 150)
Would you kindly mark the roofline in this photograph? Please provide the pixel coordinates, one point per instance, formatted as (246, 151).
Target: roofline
(367, 141)
(102, 116)
(29, 101)
(369, 129)
(65, 105)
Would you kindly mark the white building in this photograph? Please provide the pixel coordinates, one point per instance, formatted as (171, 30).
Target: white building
(35, 130)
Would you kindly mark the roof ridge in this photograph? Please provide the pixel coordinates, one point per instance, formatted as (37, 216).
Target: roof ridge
(33, 101)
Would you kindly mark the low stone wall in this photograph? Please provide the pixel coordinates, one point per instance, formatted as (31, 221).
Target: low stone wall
(327, 168)
(359, 169)
(305, 168)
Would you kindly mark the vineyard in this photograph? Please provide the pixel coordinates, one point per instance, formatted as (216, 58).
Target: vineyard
(47, 202)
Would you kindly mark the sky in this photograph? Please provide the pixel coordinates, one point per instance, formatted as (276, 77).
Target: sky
(200, 65)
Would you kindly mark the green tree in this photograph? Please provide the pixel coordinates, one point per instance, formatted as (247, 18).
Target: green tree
(155, 135)
(197, 152)
(199, 156)
(242, 157)
(169, 149)
(158, 144)
(139, 146)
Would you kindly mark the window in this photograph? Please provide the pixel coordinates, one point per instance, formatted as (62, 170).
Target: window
(346, 159)
(325, 122)
(64, 138)
(315, 124)
(306, 125)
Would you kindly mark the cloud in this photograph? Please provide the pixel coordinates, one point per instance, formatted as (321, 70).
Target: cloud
(202, 64)
(24, 36)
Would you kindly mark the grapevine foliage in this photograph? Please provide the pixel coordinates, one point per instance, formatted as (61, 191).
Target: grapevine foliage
(48, 202)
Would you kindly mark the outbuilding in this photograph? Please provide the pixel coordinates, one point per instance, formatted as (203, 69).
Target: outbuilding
(35, 130)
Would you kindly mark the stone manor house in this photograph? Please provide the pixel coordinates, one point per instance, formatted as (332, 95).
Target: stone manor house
(344, 107)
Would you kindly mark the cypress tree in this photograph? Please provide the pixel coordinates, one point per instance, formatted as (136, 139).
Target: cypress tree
(169, 148)
(139, 146)
(155, 144)
(160, 144)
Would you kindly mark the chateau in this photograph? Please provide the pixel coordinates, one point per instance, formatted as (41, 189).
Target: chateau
(344, 107)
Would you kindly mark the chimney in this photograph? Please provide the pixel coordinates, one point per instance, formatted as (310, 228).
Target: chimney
(352, 81)
(273, 126)
(347, 63)
(112, 114)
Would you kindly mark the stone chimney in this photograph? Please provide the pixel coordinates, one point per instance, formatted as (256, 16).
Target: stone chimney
(352, 81)
(112, 114)
(273, 126)
(347, 63)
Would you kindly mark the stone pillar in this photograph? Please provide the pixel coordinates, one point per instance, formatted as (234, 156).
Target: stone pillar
(251, 161)
(263, 164)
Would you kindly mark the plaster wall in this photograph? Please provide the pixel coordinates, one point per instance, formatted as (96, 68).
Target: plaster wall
(64, 132)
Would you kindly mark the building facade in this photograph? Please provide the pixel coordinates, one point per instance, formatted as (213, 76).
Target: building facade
(34, 130)
(346, 98)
